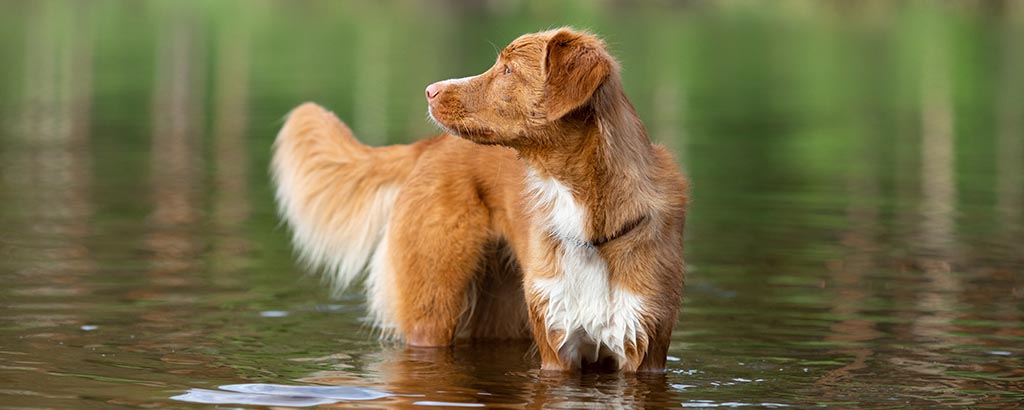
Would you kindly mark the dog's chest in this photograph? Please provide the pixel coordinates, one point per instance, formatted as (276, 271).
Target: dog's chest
(596, 317)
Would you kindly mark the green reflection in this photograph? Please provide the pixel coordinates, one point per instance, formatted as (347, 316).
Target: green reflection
(854, 235)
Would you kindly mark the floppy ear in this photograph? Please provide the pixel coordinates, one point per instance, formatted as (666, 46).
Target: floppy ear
(574, 67)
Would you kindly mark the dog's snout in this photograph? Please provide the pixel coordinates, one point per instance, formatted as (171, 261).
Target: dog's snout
(433, 90)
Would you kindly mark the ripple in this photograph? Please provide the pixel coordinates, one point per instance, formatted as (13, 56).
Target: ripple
(732, 404)
(330, 392)
(280, 395)
(219, 397)
(446, 404)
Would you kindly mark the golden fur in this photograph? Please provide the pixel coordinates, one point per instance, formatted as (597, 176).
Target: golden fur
(543, 210)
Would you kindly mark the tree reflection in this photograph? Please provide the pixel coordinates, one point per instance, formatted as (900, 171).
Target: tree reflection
(48, 168)
(175, 172)
(176, 156)
(231, 207)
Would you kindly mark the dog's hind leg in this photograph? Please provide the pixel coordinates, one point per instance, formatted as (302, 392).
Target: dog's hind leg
(437, 239)
(500, 312)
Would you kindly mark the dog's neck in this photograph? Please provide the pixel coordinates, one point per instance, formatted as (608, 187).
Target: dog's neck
(602, 153)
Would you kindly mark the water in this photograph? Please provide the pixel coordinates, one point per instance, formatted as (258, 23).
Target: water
(855, 238)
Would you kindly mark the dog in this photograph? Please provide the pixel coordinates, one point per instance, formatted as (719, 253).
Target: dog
(543, 209)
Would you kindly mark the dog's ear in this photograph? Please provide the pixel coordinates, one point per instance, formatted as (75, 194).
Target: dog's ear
(574, 66)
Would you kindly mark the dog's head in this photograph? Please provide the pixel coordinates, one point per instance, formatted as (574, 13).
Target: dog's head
(535, 83)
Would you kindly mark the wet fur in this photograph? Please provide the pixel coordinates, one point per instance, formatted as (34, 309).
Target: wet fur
(484, 231)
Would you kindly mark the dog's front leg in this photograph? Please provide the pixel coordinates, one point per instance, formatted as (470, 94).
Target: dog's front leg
(547, 342)
(656, 275)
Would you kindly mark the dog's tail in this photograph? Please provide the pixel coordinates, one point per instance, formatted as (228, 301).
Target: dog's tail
(335, 193)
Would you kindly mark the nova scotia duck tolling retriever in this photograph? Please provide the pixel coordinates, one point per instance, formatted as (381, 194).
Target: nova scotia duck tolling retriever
(543, 210)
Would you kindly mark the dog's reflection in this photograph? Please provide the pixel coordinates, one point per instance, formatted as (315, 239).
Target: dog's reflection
(495, 375)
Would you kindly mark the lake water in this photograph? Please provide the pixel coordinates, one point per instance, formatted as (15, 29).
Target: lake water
(856, 236)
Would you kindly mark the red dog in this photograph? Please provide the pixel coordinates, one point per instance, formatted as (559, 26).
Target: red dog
(544, 207)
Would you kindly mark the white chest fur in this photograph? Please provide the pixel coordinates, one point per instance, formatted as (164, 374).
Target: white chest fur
(597, 317)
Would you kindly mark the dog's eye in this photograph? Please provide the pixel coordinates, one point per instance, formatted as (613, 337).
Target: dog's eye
(508, 70)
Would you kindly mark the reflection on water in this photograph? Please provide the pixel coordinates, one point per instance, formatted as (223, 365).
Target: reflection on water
(279, 395)
(51, 171)
(1010, 128)
(230, 208)
(175, 159)
(855, 236)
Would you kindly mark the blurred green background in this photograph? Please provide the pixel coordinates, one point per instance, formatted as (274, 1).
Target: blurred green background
(813, 91)
(855, 234)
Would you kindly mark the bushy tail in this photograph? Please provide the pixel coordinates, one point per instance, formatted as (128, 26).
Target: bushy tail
(335, 193)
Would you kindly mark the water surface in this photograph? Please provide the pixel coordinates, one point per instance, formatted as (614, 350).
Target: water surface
(855, 237)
